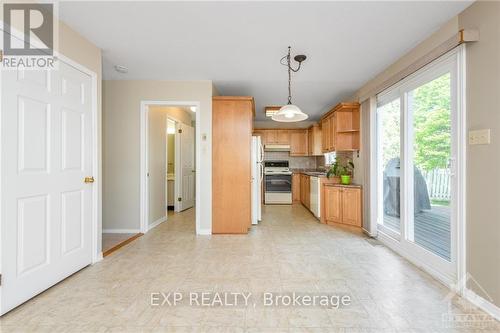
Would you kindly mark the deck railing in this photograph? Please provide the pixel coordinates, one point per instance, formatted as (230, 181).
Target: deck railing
(438, 183)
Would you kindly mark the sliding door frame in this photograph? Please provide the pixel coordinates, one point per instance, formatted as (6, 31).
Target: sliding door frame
(453, 62)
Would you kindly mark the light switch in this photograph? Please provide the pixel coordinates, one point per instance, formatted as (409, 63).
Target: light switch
(479, 137)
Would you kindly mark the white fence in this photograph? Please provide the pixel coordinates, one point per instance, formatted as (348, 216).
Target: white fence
(438, 183)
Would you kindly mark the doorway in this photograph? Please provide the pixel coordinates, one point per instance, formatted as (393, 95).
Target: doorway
(168, 162)
(420, 166)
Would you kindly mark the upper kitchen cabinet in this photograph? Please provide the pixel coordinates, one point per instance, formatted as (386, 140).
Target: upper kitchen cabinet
(283, 137)
(328, 133)
(347, 126)
(340, 128)
(314, 141)
(298, 143)
(280, 137)
(231, 168)
(262, 135)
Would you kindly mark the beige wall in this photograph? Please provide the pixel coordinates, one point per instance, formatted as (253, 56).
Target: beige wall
(121, 142)
(157, 120)
(483, 162)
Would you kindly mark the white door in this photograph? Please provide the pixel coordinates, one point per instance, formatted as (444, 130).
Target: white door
(46, 140)
(187, 168)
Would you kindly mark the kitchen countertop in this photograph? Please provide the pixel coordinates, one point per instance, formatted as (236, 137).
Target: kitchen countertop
(311, 172)
(342, 185)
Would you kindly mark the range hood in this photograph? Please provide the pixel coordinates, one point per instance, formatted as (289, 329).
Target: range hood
(276, 147)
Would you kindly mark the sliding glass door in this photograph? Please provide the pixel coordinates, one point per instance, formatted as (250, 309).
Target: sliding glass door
(430, 138)
(389, 143)
(417, 150)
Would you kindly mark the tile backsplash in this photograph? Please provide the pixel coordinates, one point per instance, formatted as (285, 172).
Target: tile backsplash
(306, 162)
(296, 162)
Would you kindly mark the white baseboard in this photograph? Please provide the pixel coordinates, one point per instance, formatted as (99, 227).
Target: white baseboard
(392, 244)
(121, 231)
(204, 232)
(366, 232)
(157, 222)
(482, 303)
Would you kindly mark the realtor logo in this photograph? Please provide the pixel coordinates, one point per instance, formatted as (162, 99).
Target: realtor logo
(36, 23)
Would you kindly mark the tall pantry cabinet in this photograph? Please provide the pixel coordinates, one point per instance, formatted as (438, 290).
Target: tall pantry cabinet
(231, 164)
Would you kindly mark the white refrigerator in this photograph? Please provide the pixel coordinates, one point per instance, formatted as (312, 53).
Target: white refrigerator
(257, 177)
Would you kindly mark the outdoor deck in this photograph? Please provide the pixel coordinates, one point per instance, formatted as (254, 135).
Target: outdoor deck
(432, 229)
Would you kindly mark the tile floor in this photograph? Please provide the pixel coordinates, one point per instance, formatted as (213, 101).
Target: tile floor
(289, 251)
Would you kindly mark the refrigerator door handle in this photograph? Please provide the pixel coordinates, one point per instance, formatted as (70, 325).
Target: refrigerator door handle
(261, 152)
(261, 172)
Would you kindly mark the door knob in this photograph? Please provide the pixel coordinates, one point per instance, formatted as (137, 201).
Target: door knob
(89, 180)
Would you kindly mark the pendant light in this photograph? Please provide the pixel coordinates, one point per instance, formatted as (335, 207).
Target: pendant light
(290, 113)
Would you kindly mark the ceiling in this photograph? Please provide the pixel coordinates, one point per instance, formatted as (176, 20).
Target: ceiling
(238, 45)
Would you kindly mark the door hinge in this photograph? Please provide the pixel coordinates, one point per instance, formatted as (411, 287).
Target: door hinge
(180, 130)
(179, 199)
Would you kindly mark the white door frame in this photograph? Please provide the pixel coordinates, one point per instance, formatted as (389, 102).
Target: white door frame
(96, 225)
(144, 193)
(461, 149)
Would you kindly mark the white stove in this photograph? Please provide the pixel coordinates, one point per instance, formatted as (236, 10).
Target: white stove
(278, 183)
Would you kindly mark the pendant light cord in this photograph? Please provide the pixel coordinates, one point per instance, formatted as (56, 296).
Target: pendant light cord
(289, 77)
(290, 70)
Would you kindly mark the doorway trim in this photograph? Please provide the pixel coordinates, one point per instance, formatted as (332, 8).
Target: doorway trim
(461, 136)
(143, 176)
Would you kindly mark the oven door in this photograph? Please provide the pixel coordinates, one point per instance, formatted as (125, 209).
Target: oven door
(278, 184)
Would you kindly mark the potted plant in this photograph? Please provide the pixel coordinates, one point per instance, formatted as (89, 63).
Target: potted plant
(343, 171)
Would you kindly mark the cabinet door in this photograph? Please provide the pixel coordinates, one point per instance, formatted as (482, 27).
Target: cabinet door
(333, 207)
(271, 137)
(296, 187)
(298, 143)
(307, 196)
(351, 206)
(325, 129)
(231, 172)
(283, 137)
(310, 141)
(332, 132)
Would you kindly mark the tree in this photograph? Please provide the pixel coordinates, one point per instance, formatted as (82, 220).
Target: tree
(432, 123)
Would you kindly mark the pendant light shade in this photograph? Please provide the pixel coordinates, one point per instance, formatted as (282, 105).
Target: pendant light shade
(289, 113)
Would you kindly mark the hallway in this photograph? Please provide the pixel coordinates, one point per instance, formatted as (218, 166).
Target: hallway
(289, 251)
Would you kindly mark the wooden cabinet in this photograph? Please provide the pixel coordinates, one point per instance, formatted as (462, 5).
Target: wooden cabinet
(298, 143)
(296, 187)
(342, 205)
(283, 137)
(341, 128)
(314, 141)
(273, 136)
(351, 206)
(333, 206)
(305, 190)
(325, 134)
(231, 169)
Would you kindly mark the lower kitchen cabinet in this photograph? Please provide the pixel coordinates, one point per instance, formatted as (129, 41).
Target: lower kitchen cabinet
(305, 191)
(342, 205)
(333, 203)
(296, 187)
